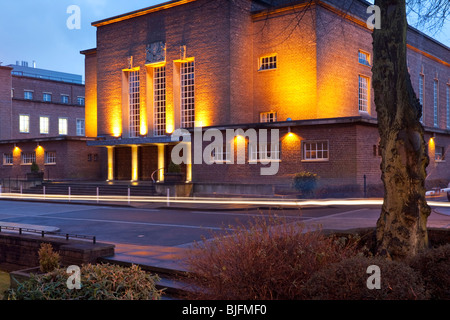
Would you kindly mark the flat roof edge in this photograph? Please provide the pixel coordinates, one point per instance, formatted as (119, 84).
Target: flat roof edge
(140, 12)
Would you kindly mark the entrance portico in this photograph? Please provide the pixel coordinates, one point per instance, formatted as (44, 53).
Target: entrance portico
(140, 159)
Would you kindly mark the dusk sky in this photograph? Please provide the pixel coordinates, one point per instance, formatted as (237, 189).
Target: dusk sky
(36, 30)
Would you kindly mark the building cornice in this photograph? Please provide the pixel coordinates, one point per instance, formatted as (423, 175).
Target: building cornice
(141, 12)
(46, 139)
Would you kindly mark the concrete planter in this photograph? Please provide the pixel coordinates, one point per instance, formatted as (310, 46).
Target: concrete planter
(35, 176)
(173, 177)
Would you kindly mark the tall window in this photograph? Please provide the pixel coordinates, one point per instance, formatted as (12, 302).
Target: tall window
(315, 150)
(24, 123)
(44, 125)
(435, 102)
(80, 127)
(134, 100)
(363, 94)
(187, 95)
(62, 126)
(159, 100)
(421, 92)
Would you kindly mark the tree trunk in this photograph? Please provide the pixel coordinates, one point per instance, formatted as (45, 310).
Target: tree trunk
(401, 228)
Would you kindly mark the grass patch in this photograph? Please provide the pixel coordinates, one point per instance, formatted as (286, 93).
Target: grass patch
(4, 283)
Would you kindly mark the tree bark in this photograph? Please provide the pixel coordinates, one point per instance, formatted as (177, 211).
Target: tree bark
(402, 226)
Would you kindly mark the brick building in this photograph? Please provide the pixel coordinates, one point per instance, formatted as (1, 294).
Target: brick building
(299, 69)
(42, 120)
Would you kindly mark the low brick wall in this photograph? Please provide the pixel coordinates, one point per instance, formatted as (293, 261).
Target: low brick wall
(21, 251)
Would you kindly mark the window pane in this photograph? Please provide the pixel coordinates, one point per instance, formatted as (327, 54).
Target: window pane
(159, 101)
(28, 95)
(315, 150)
(364, 58)
(62, 122)
(80, 127)
(65, 99)
(363, 94)
(187, 95)
(134, 101)
(44, 125)
(24, 123)
(268, 63)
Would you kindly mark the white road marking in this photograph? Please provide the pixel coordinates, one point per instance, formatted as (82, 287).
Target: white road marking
(138, 223)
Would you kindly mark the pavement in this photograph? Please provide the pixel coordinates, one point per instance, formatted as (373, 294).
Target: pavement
(171, 257)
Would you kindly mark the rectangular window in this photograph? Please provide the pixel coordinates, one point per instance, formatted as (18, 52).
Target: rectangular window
(364, 58)
(47, 97)
(64, 99)
(268, 62)
(62, 126)
(267, 152)
(28, 95)
(315, 151)
(80, 127)
(187, 95)
(8, 159)
(220, 154)
(435, 102)
(421, 94)
(44, 125)
(134, 102)
(448, 106)
(28, 157)
(268, 117)
(363, 94)
(50, 157)
(159, 101)
(439, 154)
(80, 101)
(24, 123)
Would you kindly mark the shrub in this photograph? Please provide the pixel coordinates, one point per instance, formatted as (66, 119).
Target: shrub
(434, 267)
(347, 280)
(98, 282)
(48, 259)
(174, 168)
(270, 259)
(305, 182)
(34, 167)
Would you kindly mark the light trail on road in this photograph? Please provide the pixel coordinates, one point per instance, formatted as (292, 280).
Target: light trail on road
(196, 200)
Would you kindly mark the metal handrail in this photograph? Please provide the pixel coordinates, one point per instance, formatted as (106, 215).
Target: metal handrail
(67, 236)
(153, 173)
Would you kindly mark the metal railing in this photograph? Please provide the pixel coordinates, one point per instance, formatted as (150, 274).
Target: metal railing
(67, 236)
(154, 172)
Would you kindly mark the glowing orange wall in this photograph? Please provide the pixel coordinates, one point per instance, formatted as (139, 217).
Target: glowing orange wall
(338, 43)
(91, 94)
(290, 90)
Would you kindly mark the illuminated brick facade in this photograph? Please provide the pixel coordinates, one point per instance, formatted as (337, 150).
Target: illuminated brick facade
(305, 66)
